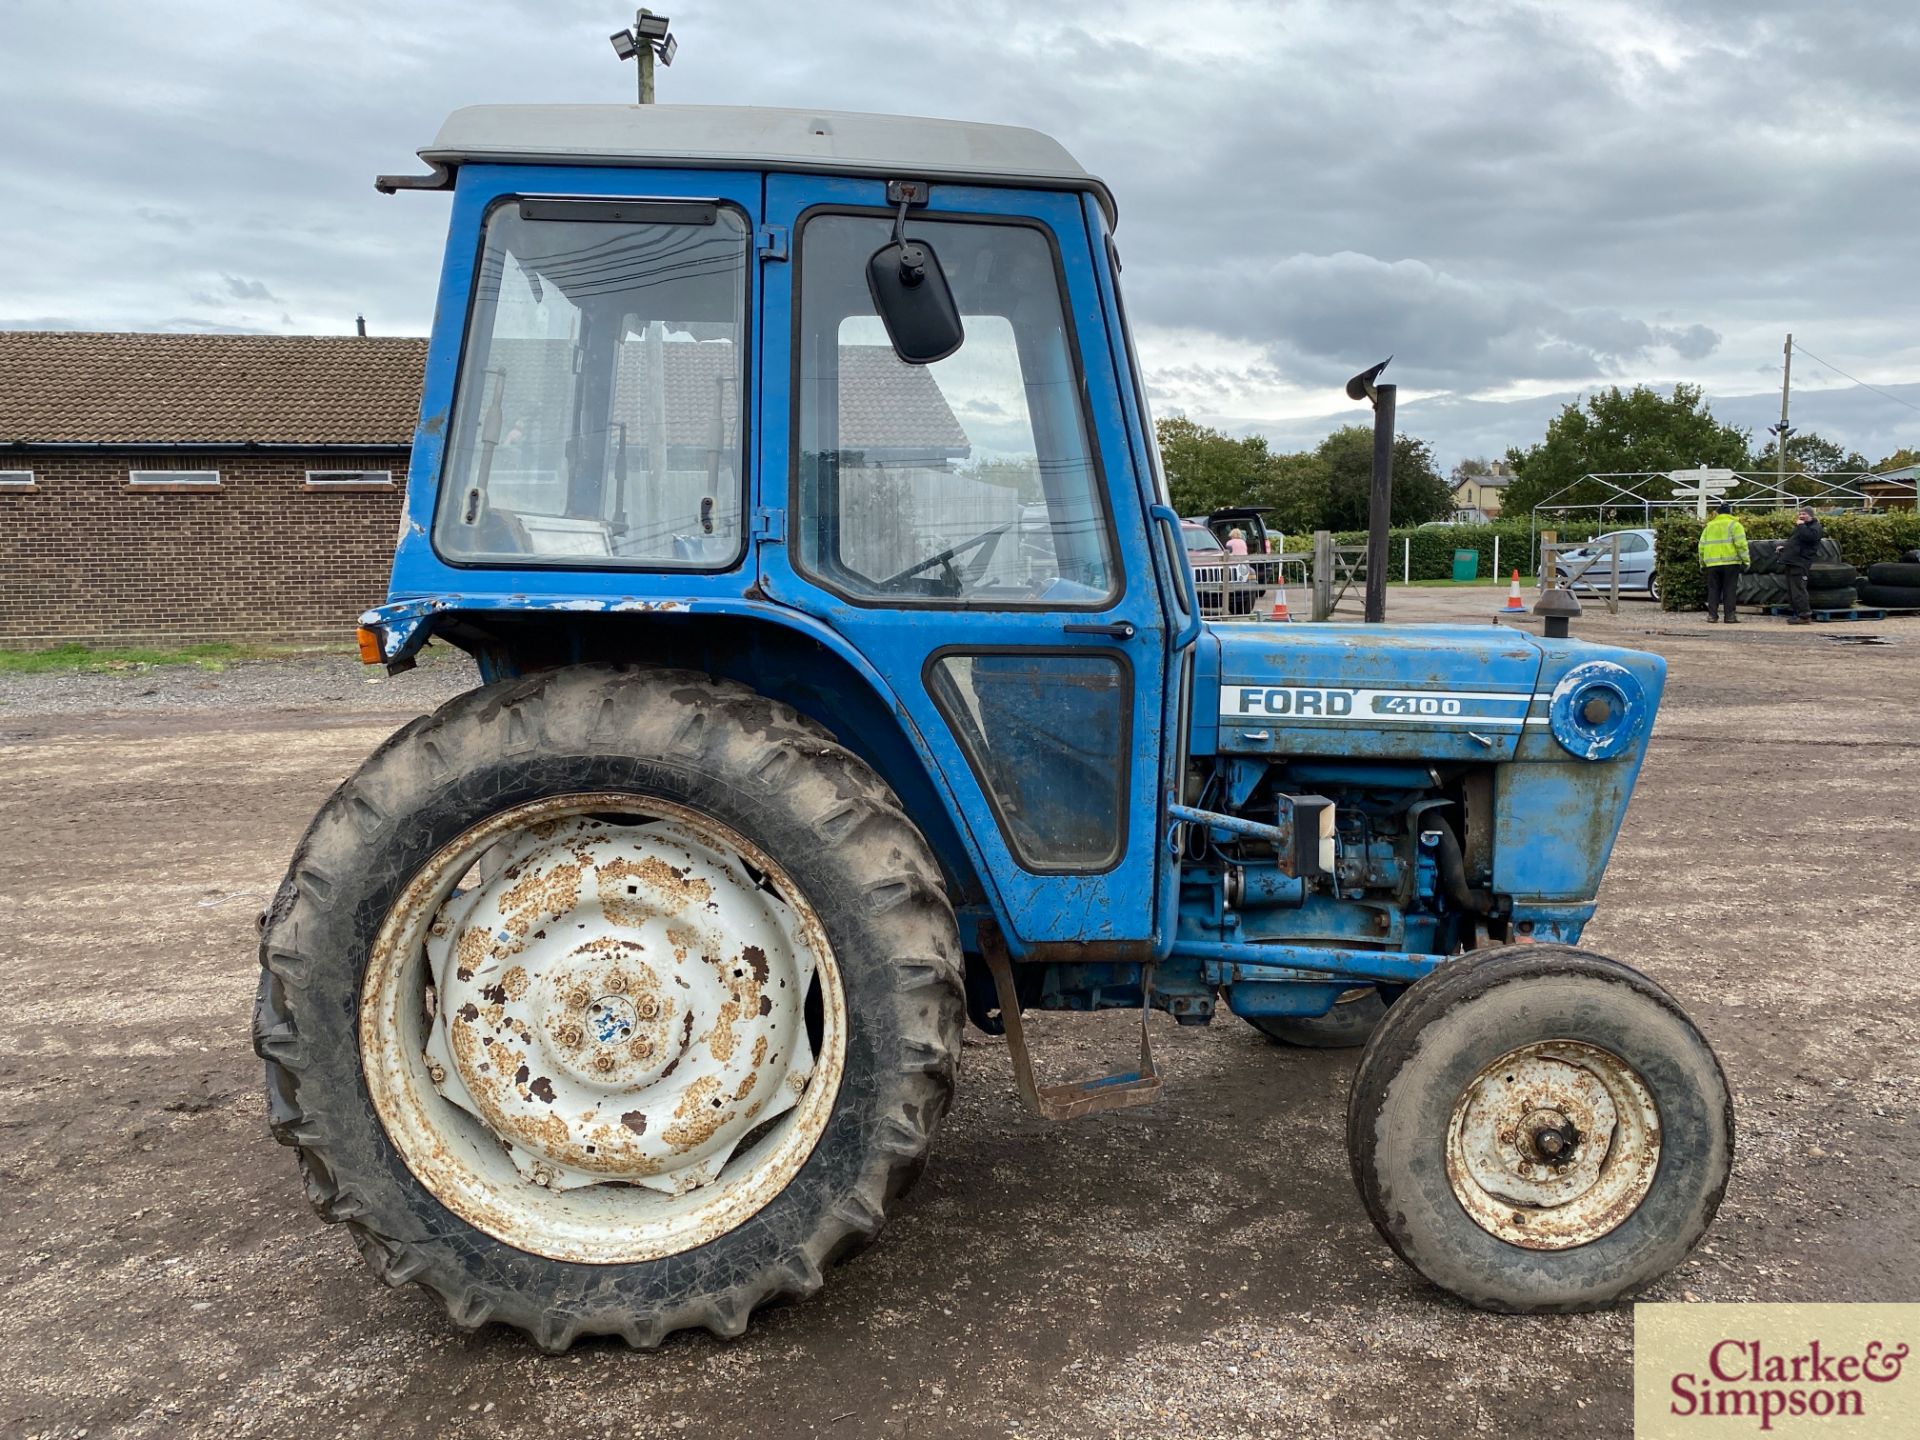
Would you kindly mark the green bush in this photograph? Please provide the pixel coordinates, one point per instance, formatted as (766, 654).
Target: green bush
(1863, 540)
(1433, 546)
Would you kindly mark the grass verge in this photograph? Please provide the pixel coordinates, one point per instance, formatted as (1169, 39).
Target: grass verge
(213, 655)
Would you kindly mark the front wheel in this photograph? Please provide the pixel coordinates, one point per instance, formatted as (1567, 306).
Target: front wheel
(1653, 587)
(609, 1002)
(1537, 1128)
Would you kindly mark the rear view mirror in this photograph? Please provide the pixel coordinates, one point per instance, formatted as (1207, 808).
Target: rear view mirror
(915, 302)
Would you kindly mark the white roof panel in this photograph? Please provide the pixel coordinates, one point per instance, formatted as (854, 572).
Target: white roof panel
(756, 138)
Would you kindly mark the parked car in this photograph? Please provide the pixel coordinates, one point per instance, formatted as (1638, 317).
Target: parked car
(1593, 563)
(1226, 584)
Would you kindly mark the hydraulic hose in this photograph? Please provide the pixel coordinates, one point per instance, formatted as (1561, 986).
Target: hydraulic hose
(1453, 871)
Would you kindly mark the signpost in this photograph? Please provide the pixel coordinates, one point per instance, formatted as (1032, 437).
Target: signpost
(1701, 486)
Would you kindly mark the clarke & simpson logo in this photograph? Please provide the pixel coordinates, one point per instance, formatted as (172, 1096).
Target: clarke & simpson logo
(1778, 1370)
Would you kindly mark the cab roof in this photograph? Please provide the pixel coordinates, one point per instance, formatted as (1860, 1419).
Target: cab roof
(740, 137)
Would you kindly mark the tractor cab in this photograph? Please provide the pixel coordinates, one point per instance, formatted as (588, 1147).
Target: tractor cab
(789, 476)
(665, 398)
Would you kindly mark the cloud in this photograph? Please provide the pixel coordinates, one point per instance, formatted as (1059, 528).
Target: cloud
(1315, 314)
(1509, 195)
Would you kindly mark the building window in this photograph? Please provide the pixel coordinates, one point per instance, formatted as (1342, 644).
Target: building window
(17, 479)
(323, 479)
(174, 479)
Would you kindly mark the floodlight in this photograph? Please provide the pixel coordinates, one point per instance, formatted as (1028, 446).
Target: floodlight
(623, 44)
(667, 49)
(649, 27)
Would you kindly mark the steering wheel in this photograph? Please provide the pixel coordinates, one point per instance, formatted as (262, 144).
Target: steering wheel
(950, 572)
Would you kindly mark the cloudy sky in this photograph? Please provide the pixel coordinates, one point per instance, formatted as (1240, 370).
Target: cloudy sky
(1518, 200)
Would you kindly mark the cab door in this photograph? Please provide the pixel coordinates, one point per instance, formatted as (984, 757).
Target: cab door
(974, 528)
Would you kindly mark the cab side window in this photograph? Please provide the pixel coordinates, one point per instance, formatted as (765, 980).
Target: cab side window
(970, 481)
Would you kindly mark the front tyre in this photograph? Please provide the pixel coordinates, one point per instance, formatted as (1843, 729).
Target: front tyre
(609, 1002)
(1539, 1129)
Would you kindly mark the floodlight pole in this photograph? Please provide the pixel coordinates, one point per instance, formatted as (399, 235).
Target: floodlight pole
(1780, 452)
(645, 60)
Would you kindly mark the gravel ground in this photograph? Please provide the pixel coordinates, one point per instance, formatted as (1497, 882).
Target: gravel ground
(318, 681)
(1198, 1268)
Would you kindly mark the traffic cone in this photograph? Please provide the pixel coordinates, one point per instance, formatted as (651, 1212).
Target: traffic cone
(1279, 611)
(1513, 594)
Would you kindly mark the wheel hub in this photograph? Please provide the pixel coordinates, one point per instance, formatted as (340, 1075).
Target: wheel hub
(617, 1003)
(1553, 1145)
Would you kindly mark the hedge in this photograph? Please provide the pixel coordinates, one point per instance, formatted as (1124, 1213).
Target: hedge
(1863, 540)
(1433, 546)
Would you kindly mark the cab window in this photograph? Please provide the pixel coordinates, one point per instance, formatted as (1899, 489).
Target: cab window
(597, 420)
(970, 481)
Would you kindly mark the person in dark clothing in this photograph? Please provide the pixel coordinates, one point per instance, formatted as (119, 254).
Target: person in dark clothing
(1796, 558)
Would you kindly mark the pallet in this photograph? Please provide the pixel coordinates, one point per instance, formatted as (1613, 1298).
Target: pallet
(1857, 612)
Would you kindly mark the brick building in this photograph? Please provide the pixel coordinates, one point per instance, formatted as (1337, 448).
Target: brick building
(191, 487)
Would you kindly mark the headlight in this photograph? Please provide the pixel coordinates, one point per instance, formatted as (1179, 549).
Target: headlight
(1598, 710)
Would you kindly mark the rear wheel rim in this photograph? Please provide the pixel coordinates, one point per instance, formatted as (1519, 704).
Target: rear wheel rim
(602, 1028)
(1553, 1145)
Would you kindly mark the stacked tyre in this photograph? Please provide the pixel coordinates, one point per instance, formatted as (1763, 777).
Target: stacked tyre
(1763, 590)
(1892, 585)
(1830, 585)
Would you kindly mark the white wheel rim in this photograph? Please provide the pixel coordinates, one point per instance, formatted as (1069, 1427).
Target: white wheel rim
(1553, 1145)
(598, 1050)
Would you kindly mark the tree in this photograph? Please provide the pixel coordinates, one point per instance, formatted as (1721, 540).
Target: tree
(1622, 432)
(1294, 490)
(1419, 492)
(1325, 488)
(1812, 453)
(1206, 469)
(1468, 469)
(1899, 460)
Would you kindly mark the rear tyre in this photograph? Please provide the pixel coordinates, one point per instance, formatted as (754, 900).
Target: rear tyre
(1348, 1024)
(1653, 586)
(1895, 572)
(1537, 1128)
(609, 1002)
(1840, 598)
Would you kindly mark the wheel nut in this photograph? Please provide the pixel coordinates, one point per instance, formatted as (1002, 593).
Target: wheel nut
(568, 1035)
(1551, 1136)
(578, 1000)
(542, 1176)
(647, 1006)
(640, 1049)
(603, 1063)
(617, 982)
(437, 1073)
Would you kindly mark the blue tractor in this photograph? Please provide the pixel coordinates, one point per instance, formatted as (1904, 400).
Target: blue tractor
(789, 477)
